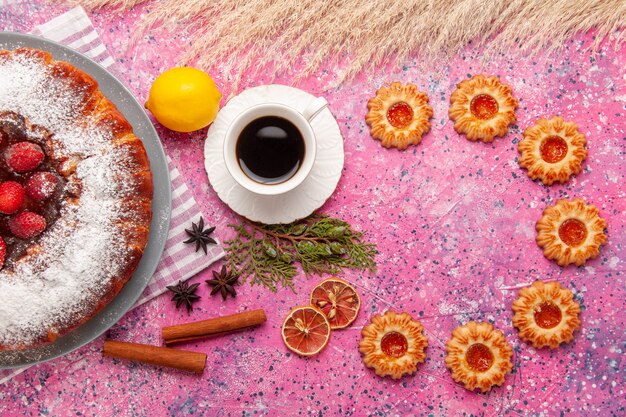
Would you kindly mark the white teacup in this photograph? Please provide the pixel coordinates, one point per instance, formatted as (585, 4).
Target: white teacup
(300, 120)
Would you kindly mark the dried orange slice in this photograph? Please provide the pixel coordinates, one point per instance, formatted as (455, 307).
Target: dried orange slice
(338, 300)
(306, 330)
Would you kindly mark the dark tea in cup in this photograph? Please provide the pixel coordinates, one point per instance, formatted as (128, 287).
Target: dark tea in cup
(270, 150)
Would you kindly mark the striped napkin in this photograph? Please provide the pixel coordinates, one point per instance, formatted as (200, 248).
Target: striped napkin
(179, 261)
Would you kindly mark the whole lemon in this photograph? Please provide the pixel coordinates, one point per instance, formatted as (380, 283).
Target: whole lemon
(184, 99)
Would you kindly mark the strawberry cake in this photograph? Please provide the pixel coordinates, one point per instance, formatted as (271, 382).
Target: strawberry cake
(75, 199)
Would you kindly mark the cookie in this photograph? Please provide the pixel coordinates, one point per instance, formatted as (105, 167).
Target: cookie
(482, 108)
(399, 115)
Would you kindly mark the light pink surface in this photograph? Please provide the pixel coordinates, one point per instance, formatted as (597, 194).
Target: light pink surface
(454, 224)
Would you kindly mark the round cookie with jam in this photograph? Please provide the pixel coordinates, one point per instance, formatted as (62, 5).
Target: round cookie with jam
(399, 115)
(552, 150)
(478, 356)
(393, 344)
(546, 314)
(570, 232)
(482, 108)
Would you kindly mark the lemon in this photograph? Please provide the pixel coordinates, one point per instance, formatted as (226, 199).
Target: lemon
(184, 99)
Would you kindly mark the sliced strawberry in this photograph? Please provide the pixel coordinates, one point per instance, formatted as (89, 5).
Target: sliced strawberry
(3, 252)
(41, 185)
(11, 197)
(27, 224)
(24, 156)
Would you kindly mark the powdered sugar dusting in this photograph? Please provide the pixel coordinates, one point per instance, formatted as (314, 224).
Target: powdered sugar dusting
(83, 252)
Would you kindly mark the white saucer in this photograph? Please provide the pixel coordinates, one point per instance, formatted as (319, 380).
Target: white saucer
(302, 200)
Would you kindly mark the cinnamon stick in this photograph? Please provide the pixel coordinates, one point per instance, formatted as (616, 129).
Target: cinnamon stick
(218, 325)
(173, 358)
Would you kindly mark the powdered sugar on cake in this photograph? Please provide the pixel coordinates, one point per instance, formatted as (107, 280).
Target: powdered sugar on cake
(79, 256)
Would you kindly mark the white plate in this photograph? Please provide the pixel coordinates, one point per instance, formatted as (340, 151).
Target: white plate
(297, 203)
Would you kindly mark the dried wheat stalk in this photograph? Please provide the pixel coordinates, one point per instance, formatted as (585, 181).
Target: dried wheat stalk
(276, 34)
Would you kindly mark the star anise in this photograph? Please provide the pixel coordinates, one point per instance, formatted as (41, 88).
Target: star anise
(223, 283)
(184, 293)
(200, 236)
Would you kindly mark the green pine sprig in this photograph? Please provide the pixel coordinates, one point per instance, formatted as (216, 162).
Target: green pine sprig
(267, 254)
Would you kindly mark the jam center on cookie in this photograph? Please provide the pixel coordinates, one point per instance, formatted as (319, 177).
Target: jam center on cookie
(553, 149)
(548, 315)
(572, 232)
(484, 107)
(479, 357)
(394, 344)
(400, 115)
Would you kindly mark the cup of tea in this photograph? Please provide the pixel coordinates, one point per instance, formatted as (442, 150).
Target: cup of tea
(270, 148)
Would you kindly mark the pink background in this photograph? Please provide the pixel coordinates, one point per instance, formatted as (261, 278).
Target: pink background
(454, 224)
